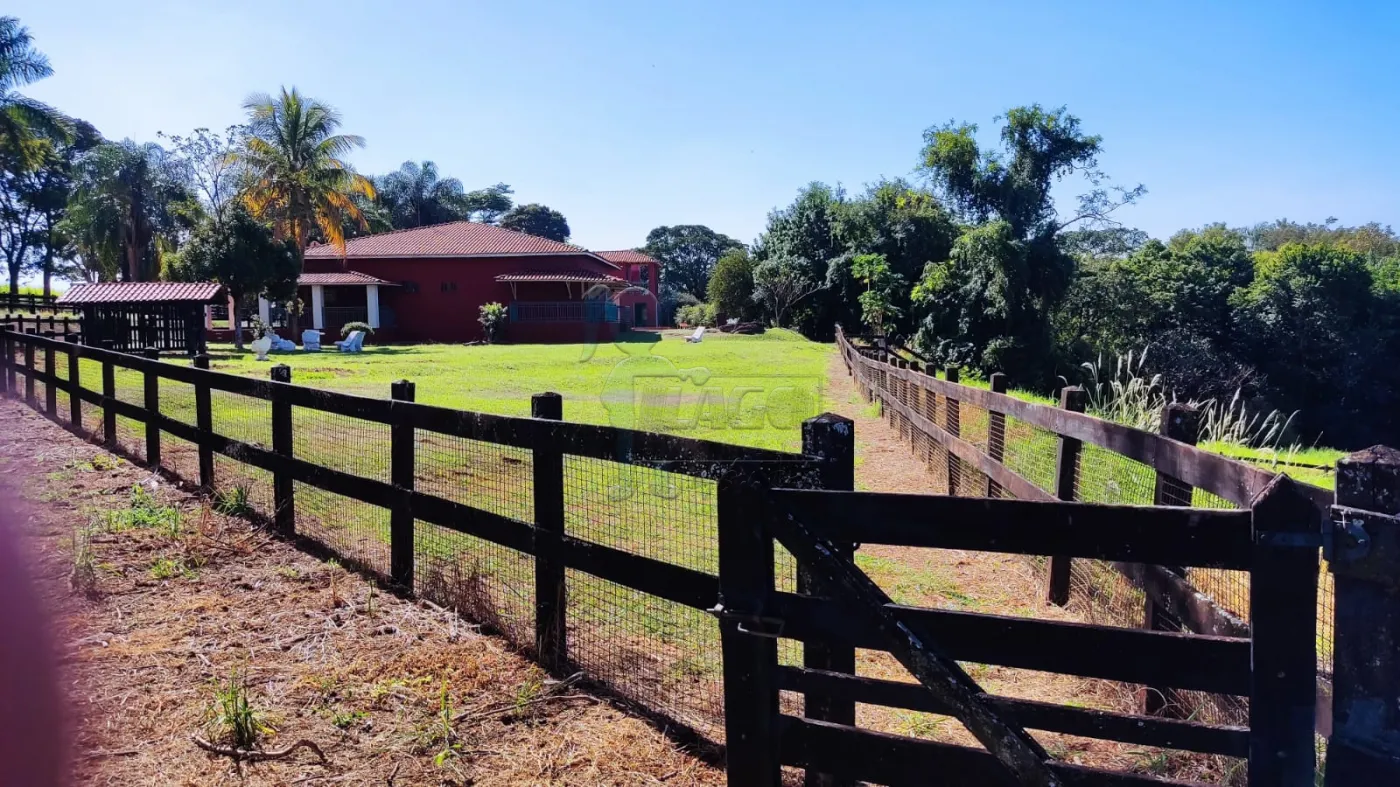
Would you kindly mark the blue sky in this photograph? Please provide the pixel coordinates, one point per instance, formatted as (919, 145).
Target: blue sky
(628, 115)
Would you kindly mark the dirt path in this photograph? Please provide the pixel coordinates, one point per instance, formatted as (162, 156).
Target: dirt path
(182, 597)
(975, 582)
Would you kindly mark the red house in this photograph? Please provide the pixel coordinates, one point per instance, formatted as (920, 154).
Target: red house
(428, 284)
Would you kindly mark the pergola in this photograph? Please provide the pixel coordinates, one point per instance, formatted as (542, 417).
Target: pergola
(131, 316)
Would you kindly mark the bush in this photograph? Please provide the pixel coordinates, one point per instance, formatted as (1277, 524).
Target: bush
(731, 287)
(355, 326)
(493, 321)
(696, 315)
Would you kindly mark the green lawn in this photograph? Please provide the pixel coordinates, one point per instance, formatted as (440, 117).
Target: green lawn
(747, 390)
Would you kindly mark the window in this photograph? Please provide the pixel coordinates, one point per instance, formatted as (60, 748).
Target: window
(409, 286)
(448, 286)
(646, 274)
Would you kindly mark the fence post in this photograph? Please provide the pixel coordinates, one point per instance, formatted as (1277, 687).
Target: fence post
(284, 516)
(1072, 398)
(996, 432)
(204, 421)
(29, 370)
(1283, 636)
(401, 475)
(931, 413)
(1180, 422)
(109, 398)
(75, 385)
(831, 439)
(750, 659)
(7, 358)
(901, 395)
(50, 390)
(551, 592)
(152, 381)
(1365, 564)
(953, 423)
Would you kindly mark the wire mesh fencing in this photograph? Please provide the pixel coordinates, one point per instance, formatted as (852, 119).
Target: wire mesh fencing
(1099, 592)
(352, 528)
(655, 651)
(487, 582)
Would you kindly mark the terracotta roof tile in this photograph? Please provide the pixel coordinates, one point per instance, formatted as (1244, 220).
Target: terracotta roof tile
(341, 277)
(455, 239)
(627, 256)
(143, 292)
(574, 275)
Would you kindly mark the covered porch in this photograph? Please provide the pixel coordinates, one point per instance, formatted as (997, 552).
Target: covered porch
(567, 305)
(337, 299)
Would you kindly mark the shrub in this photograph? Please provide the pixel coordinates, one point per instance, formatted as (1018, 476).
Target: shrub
(696, 315)
(493, 321)
(355, 326)
(731, 286)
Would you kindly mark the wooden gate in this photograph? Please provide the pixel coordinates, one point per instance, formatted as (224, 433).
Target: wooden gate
(841, 609)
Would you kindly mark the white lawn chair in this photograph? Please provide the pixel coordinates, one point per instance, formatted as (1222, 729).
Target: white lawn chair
(353, 343)
(695, 338)
(311, 340)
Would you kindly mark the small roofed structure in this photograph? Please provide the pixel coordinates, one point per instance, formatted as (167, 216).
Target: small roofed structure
(131, 316)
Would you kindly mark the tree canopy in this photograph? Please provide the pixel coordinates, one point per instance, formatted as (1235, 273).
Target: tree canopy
(296, 175)
(537, 219)
(24, 121)
(242, 254)
(688, 253)
(989, 303)
(415, 196)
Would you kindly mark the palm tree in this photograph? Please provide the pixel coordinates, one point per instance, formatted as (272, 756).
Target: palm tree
(294, 173)
(416, 197)
(130, 206)
(22, 118)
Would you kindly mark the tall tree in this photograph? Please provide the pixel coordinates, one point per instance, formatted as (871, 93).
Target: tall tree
(488, 205)
(210, 164)
(781, 283)
(416, 197)
(48, 188)
(537, 219)
(688, 253)
(805, 233)
(295, 174)
(19, 220)
(241, 254)
(23, 120)
(134, 200)
(990, 301)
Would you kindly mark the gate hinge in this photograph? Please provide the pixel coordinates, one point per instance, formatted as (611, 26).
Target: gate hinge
(749, 623)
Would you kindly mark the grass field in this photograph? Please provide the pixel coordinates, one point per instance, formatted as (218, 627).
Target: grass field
(747, 390)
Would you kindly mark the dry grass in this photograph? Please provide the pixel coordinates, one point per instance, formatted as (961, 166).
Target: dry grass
(328, 657)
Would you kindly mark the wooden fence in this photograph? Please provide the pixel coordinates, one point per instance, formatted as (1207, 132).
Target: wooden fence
(31, 302)
(720, 541)
(49, 325)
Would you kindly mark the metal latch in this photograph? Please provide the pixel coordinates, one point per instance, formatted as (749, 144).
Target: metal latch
(1347, 539)
(749, 623)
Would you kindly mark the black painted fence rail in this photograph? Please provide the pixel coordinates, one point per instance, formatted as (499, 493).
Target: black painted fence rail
(1269, 665)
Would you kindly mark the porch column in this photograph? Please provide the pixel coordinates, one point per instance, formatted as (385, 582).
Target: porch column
(372, 304)
(318, 307)
(264, 310)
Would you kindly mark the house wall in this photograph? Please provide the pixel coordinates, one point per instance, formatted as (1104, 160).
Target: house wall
(441, 297)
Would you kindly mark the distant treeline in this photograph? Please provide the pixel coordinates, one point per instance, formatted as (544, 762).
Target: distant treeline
(977, 268)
